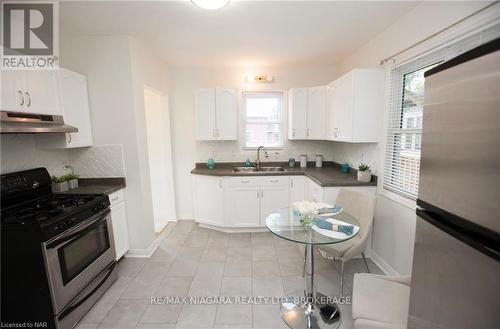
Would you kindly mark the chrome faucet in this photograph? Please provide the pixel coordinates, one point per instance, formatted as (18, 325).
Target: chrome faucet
(257, 162)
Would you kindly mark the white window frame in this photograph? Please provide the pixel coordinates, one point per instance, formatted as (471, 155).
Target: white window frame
(280, 94)
(479, 23)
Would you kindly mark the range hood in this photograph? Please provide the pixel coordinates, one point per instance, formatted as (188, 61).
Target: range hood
(27, 123)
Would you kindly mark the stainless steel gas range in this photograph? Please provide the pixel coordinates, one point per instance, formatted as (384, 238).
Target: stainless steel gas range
(58, 254)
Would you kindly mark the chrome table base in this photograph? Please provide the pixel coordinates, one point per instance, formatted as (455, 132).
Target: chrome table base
(307, 315)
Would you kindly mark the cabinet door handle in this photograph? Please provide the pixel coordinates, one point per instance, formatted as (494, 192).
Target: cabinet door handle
(274, 181)
(245, 181)
(293, 132)
(21, 100)
(115, 198)
(307, 132)
(69, 140)
(220, 182)
(291, 182)
(257, 194)
(28, 102)
(261, 194)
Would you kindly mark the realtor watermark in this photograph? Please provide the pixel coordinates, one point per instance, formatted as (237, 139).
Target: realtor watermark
(248, 300)
(30, 35)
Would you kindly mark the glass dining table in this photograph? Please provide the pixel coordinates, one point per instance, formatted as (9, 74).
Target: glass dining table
(315, 310)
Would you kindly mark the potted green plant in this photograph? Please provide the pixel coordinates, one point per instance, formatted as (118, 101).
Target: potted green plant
(72, 180)
(59, 184)
(364, 173)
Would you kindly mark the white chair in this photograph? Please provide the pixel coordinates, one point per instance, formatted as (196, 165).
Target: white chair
(362, 207)
(380, 302)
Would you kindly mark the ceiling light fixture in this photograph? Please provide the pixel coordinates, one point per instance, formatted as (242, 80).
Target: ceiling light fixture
(263, 78)
(211, 4)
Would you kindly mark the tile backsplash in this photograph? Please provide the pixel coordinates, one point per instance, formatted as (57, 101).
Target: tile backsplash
(19, 152)
(98, 161)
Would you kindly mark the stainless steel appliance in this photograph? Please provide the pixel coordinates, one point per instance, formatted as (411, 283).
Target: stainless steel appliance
(456, 265)
(58, 254)
(30, 123)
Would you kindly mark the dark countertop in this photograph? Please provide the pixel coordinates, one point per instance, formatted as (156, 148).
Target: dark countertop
(329, 175)
(98, 185)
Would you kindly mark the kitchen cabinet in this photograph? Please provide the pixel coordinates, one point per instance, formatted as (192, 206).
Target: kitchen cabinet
(216, 114)
(272, 198)
(31, 91)
(313, 191)
(208, 200)
(242, 206)
(297, 113)
(316, 112)
(297, 188)
(119, 222)
(307, 113)
(226, 114)
(355, 107)
(250, 199)
(75, 111)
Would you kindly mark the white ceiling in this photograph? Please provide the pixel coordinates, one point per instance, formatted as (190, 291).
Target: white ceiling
(244, 33)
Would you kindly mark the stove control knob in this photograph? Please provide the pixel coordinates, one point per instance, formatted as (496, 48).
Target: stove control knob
(61, 226)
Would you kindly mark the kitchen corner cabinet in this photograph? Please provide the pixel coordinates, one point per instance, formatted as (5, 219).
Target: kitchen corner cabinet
(119, 222)
(355, 103)
(31, 92)
(208, 199)
(216, 114)
(307, 112)
(76, 112)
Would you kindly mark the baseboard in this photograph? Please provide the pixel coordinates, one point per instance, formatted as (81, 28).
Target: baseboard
(382, 264)
(145, 253)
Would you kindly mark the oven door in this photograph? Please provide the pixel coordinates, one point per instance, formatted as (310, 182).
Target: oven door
(77, 256)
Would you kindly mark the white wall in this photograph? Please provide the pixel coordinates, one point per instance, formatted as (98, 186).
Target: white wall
(187, 150)
(394, 229)
(117, 68)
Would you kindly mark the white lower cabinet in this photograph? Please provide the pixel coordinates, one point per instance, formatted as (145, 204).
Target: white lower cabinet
(272, 198)
(242, 206)
(119, 222)
(245, 202)
(208, 200)
(297, 188)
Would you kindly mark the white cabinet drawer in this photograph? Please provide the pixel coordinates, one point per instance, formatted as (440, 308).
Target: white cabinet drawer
(274, 181)
(116, 197)
(244, 181)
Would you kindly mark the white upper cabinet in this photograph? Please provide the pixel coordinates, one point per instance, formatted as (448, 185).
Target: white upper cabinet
(31, 91)
(205, 114)
(307, 113)
(226, 113)
(216, 114)
(316, 112)
(355, 103)
(75, 111)
(297, 113)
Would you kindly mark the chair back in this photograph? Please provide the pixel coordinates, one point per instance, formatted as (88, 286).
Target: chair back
(361, 206)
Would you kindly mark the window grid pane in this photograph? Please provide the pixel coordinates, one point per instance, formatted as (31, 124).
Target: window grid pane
(263, 119)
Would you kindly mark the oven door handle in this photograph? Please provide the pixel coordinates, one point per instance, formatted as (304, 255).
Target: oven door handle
(71, 307)
(88, 228)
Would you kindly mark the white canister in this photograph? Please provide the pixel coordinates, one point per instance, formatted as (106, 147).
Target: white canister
(319, 161)
(303, 161)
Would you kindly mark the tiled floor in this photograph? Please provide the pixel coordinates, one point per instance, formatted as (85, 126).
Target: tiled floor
(193, 261)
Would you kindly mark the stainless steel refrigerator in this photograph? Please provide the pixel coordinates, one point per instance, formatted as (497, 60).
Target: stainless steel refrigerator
(456, 264)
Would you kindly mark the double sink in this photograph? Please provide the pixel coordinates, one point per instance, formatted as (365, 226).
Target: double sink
(255, 170)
